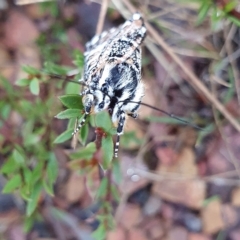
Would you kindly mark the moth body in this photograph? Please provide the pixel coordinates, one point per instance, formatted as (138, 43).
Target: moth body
(112, 73)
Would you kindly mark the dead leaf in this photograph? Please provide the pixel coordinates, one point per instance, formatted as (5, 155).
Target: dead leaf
(198, 236)
(236, 197)
(212, 217)
(178, 233)
(75, 187)
(116, 234)
(131, 216)
(137, 234)
(19, 30)
(190, 193)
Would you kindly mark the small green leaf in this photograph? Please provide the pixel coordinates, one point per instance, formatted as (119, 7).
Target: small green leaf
(107, 148)
(79, 59)
(112, 131)
(48, 187)
(55, 69)
(72, 88)
(52, 168)
(28, 223)
(85, 153)
(37, 172)
(69, 113)
(209, 200)
(32, 203)
(115, 193)
(34, 86)
(100, 233)
(5, 111)
(17, 156)
(12, 184)
(231, 5)
(64, 136)
(203, 11)
(9, 166)
(116, 171)
(31, 139)
(22, 82)
(73, 101)
(102, 190)
(25, 191)
(84, 133)
(234, 20)
(30, 70)
(103, 120)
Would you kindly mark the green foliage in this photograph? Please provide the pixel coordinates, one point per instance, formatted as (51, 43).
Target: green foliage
(216, 12)
(72, 101)
(107, 148)
(84, 153)
(30, 166)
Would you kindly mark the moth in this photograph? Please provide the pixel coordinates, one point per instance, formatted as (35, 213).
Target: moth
(112, 74)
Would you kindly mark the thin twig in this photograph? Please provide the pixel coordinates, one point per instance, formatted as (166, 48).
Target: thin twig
(229, 48)
(102, 16)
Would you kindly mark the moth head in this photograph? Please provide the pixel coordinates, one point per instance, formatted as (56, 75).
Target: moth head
(101, 101)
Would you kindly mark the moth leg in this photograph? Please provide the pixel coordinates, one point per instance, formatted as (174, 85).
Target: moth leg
(81, 123)
(133, 115)
(88, 102)
(121, 123)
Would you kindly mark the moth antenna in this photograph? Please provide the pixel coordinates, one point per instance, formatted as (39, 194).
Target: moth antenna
(65, 78)
(170, 115)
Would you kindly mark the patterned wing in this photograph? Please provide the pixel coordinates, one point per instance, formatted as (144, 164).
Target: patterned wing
(114, 46)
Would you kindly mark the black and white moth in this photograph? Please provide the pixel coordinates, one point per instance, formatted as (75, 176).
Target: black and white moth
(112, 73)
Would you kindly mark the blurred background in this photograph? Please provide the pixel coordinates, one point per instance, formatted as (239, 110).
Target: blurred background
(175, 181)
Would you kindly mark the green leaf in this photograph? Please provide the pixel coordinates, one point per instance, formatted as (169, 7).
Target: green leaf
(72, 88)
(64, 136)
(48, 187)
(115, 193)
(203, 11)
(22, 82)
(116, 171)
(52, 168)
(107, 148)
(34, 86)
(17, 156)
(9, 166)
(100, 233)
(84, 133)
(32, 203)
(69, 113)
(27, 173)
(30, 70)
(28, 223)
(55, 69)
(103, 120)
(85, 153)
(209, 200)
(102, 190)
(79, 59)
(25, 191)
(37, 172)
(231, 5)
(73, 101)
(31, 139)
(234, 20)
(6, 109)
(12, 184)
